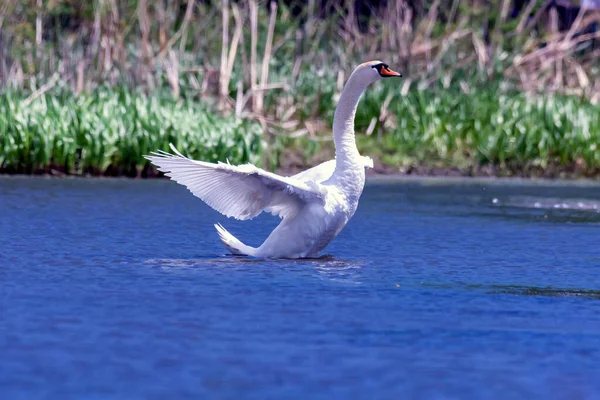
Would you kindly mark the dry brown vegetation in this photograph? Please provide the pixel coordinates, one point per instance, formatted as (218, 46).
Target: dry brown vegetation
(215, 47)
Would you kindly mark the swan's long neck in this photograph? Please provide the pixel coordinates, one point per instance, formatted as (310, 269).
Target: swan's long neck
(346, 153)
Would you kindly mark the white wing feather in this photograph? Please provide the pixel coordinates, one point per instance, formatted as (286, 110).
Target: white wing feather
(318, 173)
(323, 171)
(241, 192)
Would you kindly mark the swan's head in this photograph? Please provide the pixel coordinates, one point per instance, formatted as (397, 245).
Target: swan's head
(372, 71)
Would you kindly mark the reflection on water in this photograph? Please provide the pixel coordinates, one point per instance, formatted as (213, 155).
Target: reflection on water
(341, 271)
(325, 267)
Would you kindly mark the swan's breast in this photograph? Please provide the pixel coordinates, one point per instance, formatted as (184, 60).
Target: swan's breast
(331, 219)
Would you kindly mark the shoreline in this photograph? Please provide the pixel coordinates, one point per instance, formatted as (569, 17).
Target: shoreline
(375, 175)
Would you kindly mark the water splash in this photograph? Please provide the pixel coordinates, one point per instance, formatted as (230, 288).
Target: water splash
(549, 203)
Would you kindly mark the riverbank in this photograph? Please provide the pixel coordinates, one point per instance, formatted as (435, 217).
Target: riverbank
(378, 173)
(424, 132)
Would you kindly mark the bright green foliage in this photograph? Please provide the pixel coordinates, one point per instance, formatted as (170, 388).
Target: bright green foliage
(463, 126)
(452, 128)
(115, 128)
(432, 127)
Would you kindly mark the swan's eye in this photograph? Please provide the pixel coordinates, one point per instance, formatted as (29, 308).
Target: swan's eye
(385, 71)
(377, 67)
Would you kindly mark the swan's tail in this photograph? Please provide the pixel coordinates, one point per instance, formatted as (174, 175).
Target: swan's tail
(233, 244)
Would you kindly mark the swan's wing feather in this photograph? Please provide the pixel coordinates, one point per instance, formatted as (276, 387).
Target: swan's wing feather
(241, 192)
(319, 173)
(323, 171)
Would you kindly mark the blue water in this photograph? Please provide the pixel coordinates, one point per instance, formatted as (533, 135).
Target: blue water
(472, 290)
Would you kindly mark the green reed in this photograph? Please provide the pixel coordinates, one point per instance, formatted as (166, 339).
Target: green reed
(114, 128)
(457, 126)
(485, 126)
(470, 124)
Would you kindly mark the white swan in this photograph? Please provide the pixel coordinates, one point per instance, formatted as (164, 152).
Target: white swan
(314, 205)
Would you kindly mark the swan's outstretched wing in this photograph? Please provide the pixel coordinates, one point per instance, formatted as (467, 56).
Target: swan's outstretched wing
(318, 173)
(241, 192)
(323, 171)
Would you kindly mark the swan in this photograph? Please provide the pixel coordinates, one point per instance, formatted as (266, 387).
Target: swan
(313, 205)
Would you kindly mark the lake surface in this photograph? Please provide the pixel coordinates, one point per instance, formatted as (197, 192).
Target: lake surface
(463, 289)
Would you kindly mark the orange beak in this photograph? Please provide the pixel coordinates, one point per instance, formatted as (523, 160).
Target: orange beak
(386, 72)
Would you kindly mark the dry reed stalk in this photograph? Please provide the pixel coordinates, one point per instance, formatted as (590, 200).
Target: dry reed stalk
(420, 48)
(184, 27)
(525, 15)
(226, 68)
(591, 58)
(92, 50)
(350, 20)
(15, 77)
(224, 49)
(406, 86)
(480, 49)
(144, 23)
(264, 76)
(446, 43)
(582, 77)
(172, 71)
(388, 34)
(166, 45)
(159, 5)
(385, 106)
(3, 11)
(557, 55)
(169, 44)
(575, 26)
(208, 33)
(340, 80)
(529, 25)
(371, 127)
(239, 98)
(497, 36)
(404, 32)
(316, 38)
(3, 75)
(452, 14)
(237, 35)
(43, 89)
(284, 19)
(38, 28)
(253, 8)
(549, 54)
(241, 103)
(80, 77)
(431, 18)
(289, 112)
(244, 55)
(457, 65)
(112, 44)
(296, 68)
(558, 65)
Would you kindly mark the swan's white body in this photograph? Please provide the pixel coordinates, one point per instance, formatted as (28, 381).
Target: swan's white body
(314, 205)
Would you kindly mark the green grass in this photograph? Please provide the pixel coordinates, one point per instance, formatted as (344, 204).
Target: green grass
(486, 126)
(115, 128)
(437, 127)
(446, 127)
